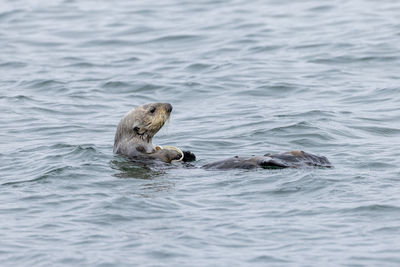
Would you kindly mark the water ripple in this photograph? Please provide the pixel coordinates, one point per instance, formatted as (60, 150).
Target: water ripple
(244, 79)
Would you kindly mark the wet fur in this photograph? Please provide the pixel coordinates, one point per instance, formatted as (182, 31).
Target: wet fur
(137, 128)
(292, 159)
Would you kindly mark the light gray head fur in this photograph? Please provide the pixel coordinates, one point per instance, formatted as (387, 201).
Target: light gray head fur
(137, 128)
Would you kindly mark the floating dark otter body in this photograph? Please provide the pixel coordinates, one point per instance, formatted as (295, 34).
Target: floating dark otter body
(292, 159)
(137, 128)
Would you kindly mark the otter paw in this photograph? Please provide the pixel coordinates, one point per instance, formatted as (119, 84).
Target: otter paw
(188, 156)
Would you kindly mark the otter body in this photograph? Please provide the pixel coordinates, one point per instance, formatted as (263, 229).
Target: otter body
(136, 129)
(292, 159)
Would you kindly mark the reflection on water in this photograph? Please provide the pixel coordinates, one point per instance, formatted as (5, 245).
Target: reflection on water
(129, 169)
(152, 174)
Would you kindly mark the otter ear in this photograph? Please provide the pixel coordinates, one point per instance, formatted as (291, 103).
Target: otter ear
(136, 128)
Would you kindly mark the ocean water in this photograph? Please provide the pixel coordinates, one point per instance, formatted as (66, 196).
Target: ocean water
(244, 77)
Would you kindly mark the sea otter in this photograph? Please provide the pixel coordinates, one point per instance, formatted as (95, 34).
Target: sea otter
(137, 128)
(135, 132)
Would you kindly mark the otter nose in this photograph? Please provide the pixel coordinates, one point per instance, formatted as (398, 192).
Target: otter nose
(168, 107)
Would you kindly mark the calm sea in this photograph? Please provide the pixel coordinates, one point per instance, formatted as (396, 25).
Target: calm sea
(245, 78)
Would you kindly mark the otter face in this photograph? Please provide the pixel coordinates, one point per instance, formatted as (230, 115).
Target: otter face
(150, 118)
(138, 126)
(144, 121)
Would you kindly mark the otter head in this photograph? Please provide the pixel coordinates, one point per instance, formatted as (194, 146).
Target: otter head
(137, 128)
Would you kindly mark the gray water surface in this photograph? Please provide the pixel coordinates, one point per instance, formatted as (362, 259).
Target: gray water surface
(244, 78)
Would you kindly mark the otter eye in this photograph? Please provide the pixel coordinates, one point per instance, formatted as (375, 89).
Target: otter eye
(152, 110)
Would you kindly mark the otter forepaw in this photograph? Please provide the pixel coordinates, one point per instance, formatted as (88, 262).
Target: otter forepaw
(188, 156)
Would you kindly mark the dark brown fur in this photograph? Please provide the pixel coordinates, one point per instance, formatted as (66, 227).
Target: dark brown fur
(291, 159)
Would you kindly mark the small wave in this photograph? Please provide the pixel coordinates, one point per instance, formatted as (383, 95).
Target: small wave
(378, 131)
(19, 98)
(116, 84)
(265, 48)
(296, 127)
(311, 46)
(354, 60)
(81, 65)
(45, 147)
(376, 165)
(270, 90)
(176, 38)
(108, 42)
(198, 67)
(42, 44)
(9, 15)
(84, 149)
(81, 153)
(388, 229)
(311, 136)
(45, 84)
(128, 60)
(316, 113)
(374, 208)
(53, 172)
(264, 260)
(321, 8)
(13, 64)
(121, 87)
